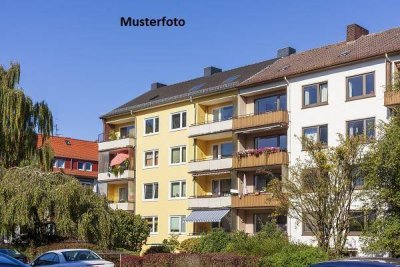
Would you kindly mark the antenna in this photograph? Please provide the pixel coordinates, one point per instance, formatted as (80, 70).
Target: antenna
(56, 129)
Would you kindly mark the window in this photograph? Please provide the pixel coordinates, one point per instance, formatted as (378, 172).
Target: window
(261, 181)
(360, 220)
(306, 226)
(224, 150)
(260, 219)
(126, 132)
(357, 177)
(59, 163)
(223, 113)
(178, 189)
(47, 259)
(178, 120)
(317, 133)
(79, 255)
(221, 187)
(178, 154)
(152, 222)
(365, 127)
(151, 125)
(360, 86)
(123, 194)
(271, 103)
(315, 94)
(271, 141)
(84, 166)
(151, 158)
(177, 224)
(151, 191)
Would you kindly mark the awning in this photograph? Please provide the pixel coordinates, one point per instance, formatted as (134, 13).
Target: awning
(206, 215)
(118, 159)
(197, 174)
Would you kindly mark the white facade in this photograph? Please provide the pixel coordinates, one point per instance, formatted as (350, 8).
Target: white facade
(335, 114)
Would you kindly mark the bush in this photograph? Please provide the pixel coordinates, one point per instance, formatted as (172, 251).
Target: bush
(157, 249)
(190, 245)
(215, 241)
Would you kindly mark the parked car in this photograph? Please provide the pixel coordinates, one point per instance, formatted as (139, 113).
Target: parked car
(358, 262)
(7, 261)
(14, 253)
(71, 257)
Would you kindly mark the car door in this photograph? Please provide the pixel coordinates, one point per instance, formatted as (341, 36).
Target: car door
(48, 259)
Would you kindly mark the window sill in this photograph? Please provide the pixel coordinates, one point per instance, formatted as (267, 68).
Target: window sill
(177, 198)
(150, 200)
(314, 105)
(150, 134)
(177, 164)
(149, 167)
(349, 99)
(307, 234)
(178, 129)
(354, 233)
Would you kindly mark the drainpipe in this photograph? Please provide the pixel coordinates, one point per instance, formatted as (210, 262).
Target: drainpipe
(289, 144)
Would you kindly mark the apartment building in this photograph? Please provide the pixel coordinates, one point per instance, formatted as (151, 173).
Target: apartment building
(193, 153)
(74, 157)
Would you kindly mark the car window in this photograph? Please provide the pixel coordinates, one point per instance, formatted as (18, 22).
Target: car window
(47, 259)
(80, 255)
(8, 261)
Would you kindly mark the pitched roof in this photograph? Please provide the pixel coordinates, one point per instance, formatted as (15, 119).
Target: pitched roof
(77, 173)
(197, 87)
(366, 46)
(66, 147)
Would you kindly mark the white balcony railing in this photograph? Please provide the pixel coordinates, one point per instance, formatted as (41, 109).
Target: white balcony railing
(210, 165)
(209, 128)
(209, 202)
(108, 176)
(122, 206)
(120, 143)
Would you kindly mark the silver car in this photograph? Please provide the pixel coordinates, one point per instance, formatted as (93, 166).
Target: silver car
(71, 258)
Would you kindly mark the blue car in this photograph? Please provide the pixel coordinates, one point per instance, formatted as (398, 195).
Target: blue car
(358, 262)
(7, 261)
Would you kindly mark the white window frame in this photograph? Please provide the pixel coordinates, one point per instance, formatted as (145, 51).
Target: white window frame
(219, 149)
(180, 155)
(144, 192)
(153, 219)
(219, 185)
(55, 163)
(219, 113)
(154, 159)
(84, 166)
(181, 217)
(154, 125)
(180, 120)
(180, 189)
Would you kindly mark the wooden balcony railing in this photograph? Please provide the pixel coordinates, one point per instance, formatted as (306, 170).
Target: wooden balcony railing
(392, 98)
(277, 158)
(264, 119)
(254, 200)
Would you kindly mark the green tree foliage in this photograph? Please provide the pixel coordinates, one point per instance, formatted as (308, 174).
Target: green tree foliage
(382, 186)
(20, 121)
(37, 202)
(130, 231)
(321, 187)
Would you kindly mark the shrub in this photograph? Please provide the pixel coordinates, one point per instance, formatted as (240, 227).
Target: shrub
(190, 245)
(157, 249)
(215, 241)
(172, 242)
(131, 261)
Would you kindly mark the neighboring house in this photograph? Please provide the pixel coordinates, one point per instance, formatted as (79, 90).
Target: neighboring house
(183, 142)
(78, 158)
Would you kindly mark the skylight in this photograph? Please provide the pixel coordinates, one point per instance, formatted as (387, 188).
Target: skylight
(344, 53)
(154, 97)
(231, 79)
(197, 87)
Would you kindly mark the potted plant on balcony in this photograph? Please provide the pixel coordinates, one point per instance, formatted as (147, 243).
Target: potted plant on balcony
(119, 169)
(112, 135)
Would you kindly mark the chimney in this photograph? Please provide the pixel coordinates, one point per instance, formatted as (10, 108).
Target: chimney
(157, 85)
(208, 71)
(355, 31)
(286, 51)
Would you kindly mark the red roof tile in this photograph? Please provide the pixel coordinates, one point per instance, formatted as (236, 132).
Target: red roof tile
(66, 147)
(77, 173)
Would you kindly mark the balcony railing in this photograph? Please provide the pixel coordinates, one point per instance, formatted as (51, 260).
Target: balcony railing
(259, 200)
(210, 127)
(210, 165)
(209, 202)
(264, 159)
(392, 98)
(258, 120)
(108, 176)
(128, 206)
(118, 143)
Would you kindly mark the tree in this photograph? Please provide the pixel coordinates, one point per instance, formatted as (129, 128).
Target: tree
(320, 190)
(382, 186)
(130, 231)
(20, 121)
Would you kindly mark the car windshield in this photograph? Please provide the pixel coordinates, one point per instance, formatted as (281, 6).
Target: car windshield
(10, 252)
(80, 255)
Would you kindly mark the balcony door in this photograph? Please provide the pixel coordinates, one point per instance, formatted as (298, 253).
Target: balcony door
(271, 141)
(221, 187)
(222, 113)
(223, 150)
(269, 104)
(128, 131)
(123, 194)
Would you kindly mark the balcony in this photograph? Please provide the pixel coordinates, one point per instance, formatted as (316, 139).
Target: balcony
(115, 144)
(108, 176)
(392, 98)
(210, 128)
(128, 206)
(210, 165)
(279, 117)
(249, 161)
(260, 200)
(209, 202)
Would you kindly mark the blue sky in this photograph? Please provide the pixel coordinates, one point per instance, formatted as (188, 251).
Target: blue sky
(76, 57)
